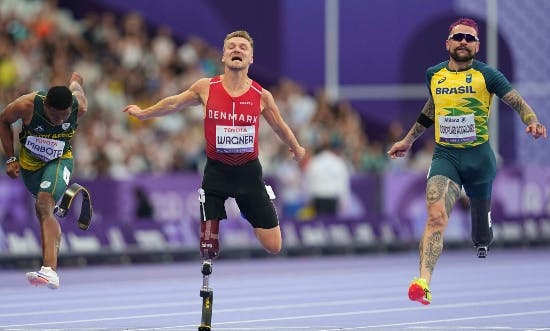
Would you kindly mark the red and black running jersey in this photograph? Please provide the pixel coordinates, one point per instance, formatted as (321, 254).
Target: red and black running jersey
(231, 124)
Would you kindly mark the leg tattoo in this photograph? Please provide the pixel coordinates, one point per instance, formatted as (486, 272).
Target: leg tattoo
(421, 249)
(440, 189)
(433, 251)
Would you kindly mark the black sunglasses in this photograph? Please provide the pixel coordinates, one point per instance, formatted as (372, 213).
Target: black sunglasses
(460, 36)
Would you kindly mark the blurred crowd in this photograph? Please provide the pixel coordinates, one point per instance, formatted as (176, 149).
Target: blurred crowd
(124, 61)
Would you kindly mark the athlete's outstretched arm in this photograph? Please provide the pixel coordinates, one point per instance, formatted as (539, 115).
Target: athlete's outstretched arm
(273, 116)
(426, 118)
(526, 113)
(75, 85)
(190, 97)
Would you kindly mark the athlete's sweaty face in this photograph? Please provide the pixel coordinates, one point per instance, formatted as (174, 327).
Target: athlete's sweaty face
(237, 53)
(462, 51)
(57, 116)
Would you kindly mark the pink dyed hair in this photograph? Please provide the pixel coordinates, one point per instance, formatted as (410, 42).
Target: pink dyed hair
(464, 21)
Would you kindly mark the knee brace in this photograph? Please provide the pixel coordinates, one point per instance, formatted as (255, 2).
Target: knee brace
(209, 233)
(482, 232)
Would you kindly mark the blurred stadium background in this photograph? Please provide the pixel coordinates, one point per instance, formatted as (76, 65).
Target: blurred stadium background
(348, 71)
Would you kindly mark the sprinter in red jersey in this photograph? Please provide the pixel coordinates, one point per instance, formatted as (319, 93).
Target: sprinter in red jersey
(233, 105)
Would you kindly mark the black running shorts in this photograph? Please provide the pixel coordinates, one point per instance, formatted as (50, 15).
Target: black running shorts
(245, 184)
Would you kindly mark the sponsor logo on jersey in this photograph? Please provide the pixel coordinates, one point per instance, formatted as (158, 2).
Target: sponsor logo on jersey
(454, 90)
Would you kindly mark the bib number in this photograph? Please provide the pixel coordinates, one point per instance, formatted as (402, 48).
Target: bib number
(45, 149)
(235, 139)
(457, 129)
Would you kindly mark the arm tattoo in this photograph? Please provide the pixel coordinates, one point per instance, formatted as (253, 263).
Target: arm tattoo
(439, 187)
(517, 103)
(433, 251)
(417, 129)
(429, 108)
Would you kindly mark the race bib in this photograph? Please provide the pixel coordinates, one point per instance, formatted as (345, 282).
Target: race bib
(45, 149)
(235, 139)
(457, 129)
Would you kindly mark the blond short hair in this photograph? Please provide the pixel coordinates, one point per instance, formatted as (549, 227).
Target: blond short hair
(239, 33)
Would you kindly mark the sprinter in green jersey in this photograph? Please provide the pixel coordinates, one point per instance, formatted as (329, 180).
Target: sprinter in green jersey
(461, 90)
(45, 160)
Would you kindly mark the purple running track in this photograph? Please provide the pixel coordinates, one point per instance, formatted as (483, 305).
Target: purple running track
(509, 290)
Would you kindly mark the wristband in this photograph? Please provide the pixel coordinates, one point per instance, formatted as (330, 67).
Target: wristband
(11, 159)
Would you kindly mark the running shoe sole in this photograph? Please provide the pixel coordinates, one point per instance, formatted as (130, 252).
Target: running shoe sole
(37, 279)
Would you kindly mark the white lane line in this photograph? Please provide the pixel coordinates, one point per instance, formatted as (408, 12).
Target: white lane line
(468, 318)
(516, 301)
